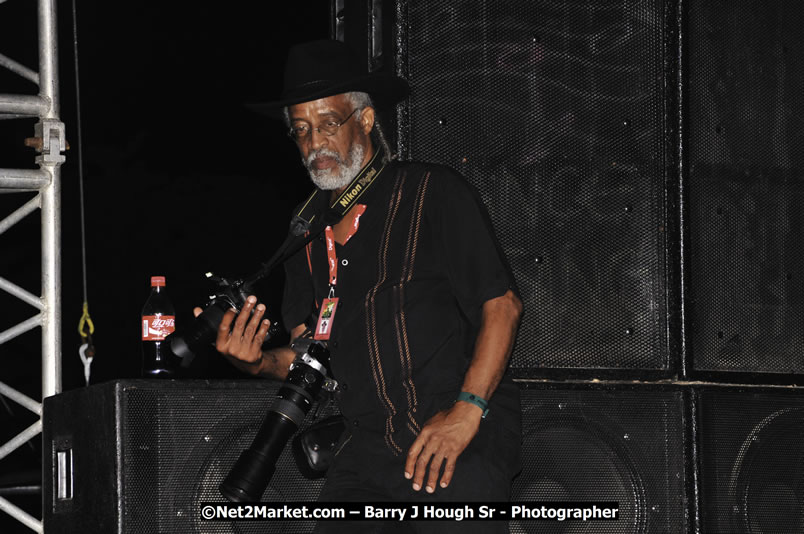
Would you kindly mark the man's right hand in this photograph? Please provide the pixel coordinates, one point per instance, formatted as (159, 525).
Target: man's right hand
(241, 342)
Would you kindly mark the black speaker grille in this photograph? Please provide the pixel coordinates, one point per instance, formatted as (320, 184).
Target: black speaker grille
(597, 445)
(746, 185)
(555, 112)
(753, 462)
(182, 441)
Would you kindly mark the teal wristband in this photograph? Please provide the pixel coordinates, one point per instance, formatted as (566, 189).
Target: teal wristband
(480, 402)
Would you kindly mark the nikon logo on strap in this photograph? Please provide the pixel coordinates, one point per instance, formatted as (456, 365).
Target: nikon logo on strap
(351, 195)
(356, 188)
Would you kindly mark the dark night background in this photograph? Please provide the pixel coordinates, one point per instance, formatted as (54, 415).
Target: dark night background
(179, 178)
(658, 163)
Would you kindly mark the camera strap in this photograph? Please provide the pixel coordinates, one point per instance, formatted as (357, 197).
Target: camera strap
(311, 220)
(361, 183)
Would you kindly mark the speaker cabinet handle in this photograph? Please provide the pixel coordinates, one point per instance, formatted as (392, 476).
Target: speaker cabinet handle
(64, 475)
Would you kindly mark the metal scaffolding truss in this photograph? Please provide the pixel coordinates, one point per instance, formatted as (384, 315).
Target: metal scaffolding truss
(46, 181)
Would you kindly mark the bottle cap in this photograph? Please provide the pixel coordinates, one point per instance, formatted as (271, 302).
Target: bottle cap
(157, 281)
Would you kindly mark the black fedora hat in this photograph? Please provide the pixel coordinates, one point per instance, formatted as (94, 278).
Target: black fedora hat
(318, 69)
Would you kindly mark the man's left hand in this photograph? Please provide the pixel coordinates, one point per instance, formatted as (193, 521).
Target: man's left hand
(443, 439)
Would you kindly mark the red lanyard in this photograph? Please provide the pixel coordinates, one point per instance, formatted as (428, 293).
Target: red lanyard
(329, 305)
(331, 255)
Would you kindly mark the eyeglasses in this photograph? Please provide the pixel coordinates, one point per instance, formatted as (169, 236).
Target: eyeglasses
(328, 128)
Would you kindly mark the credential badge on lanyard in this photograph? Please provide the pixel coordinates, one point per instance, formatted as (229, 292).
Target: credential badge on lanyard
(326, 317)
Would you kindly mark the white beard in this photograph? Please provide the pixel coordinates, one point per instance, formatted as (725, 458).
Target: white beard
(340, 175)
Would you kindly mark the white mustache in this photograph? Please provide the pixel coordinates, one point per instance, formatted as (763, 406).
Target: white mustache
(338, 176)
(322, 152)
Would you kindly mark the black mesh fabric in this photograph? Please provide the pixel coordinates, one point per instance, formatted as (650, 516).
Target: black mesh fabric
(181, 443)
(752, 476)
(555, 112)
(604, 445)
(746, 185)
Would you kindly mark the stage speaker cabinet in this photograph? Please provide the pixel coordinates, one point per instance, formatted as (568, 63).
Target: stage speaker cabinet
(745, 274)
(560, 114)
(625, 444)
(139, 456)
(752, 460)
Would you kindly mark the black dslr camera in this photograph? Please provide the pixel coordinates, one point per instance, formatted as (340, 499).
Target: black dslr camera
(307, 376)
(202, 332)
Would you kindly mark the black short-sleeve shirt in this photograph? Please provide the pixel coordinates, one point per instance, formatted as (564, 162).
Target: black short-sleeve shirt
(411, 284)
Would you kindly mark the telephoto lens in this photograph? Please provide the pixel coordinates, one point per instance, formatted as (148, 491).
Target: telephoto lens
(254, 468)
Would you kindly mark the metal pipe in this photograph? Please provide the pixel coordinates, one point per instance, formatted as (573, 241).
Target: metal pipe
(19, 68)
(20, 439)
(35, 106)
(21, 328)
(48, 181)
(19, 214)
(51, 286)
(20, 515)
(21, 398)
(24, 179)
(51, 206)
(20, 293)
(48, 57)
(12, 116)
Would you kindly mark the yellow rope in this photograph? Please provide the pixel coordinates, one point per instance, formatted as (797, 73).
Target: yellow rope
(86, 320)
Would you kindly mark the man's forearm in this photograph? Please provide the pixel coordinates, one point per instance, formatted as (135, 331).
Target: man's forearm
(495, 341)
(273, 363)
(276, 362)
(445, 435)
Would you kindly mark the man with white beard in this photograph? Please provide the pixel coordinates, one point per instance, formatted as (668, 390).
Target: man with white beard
(410, 292)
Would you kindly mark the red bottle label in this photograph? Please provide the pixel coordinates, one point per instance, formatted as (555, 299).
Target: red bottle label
(157, 327)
